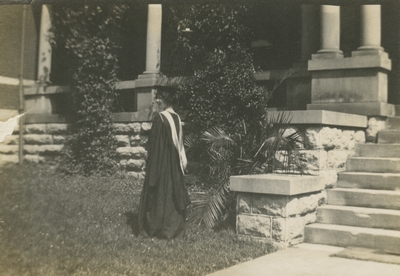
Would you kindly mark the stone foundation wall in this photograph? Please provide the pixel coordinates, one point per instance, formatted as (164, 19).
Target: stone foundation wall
(325, 150)
(132, 139)
(43, 142)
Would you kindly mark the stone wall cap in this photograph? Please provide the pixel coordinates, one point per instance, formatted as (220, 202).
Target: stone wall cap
(276, 184)
(39, 89)
(325, 117)
(373, 61)
(45, 118)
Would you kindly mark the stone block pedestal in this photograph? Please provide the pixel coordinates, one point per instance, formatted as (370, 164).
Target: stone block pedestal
(276, 207)
(356, 84)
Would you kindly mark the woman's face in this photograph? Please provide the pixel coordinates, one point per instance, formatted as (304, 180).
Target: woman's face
(162, 105)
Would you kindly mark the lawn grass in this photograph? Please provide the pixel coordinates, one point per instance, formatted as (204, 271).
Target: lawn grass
(51, 224)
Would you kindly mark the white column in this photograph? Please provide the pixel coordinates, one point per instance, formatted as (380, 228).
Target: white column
(309, 29)
(330, 31)
(44, 61)
(370, 27)
(153, 47)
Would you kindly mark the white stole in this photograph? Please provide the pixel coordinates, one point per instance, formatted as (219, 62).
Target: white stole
(178, 141)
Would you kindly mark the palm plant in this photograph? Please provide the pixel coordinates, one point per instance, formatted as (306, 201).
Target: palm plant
(241, 153)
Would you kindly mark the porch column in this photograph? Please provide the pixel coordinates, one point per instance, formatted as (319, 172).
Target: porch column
(370, 29)
(145, 84)
(44, 61)
(309, 31)
(153, 46)
(330, 33)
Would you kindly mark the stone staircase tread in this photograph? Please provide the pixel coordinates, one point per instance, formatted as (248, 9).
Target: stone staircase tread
(390, 130)
(369, 198)
(392, 119)
(378, 150)
(369, 173)
(374, 158)
(369, 180)
(389, 136)
(377, 144)
(368, 217)
(345, 236)
(369, 191)
(355, 230)
(360, 209)
(373, 164)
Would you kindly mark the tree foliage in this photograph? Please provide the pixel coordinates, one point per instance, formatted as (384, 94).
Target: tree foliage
(233, 132)
(89, 34)
(222, 89)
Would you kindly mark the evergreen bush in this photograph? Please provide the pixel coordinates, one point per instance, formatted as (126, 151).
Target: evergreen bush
(89, 34)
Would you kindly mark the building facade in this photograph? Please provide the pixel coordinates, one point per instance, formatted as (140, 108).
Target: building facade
(341, 58)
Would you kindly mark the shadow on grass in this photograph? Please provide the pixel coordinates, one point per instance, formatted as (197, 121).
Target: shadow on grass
(132, 220)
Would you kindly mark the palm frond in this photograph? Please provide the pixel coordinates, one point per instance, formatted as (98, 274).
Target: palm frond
(211, 209)
(287, 74)
(279, 118)
(217, 138)
(190, 141)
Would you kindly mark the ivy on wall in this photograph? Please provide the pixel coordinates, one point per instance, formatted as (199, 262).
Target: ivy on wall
(89, 35)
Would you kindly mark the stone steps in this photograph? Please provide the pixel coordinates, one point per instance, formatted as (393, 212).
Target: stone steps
(389, 136)
(378, 150)
(367, 180)
(364, 209)
(359, 216)
(344, 236)
(373, 164)
(364, 198)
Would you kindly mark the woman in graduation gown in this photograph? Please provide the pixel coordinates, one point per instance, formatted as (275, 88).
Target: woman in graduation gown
(164, 198)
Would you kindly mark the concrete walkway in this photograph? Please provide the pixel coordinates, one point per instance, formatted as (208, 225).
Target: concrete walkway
(308, 260)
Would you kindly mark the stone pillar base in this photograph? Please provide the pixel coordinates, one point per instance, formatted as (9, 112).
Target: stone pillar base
(359, 79)
(276, 207)
(327, 55)
(150, 75)
(370, 51)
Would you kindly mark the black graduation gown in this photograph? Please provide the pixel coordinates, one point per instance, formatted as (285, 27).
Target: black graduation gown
(164, 198)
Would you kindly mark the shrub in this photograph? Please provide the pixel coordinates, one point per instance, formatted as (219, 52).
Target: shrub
(90, 37)
(222, 89)
(233, 132)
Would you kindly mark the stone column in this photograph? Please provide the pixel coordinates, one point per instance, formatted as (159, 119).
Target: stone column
(330, 33)
(370, 29)
(309, 31)
(152, 76)
(153, 46)
(44, 61)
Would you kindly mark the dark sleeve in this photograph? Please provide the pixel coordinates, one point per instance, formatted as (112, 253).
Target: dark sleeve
(156, 146)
